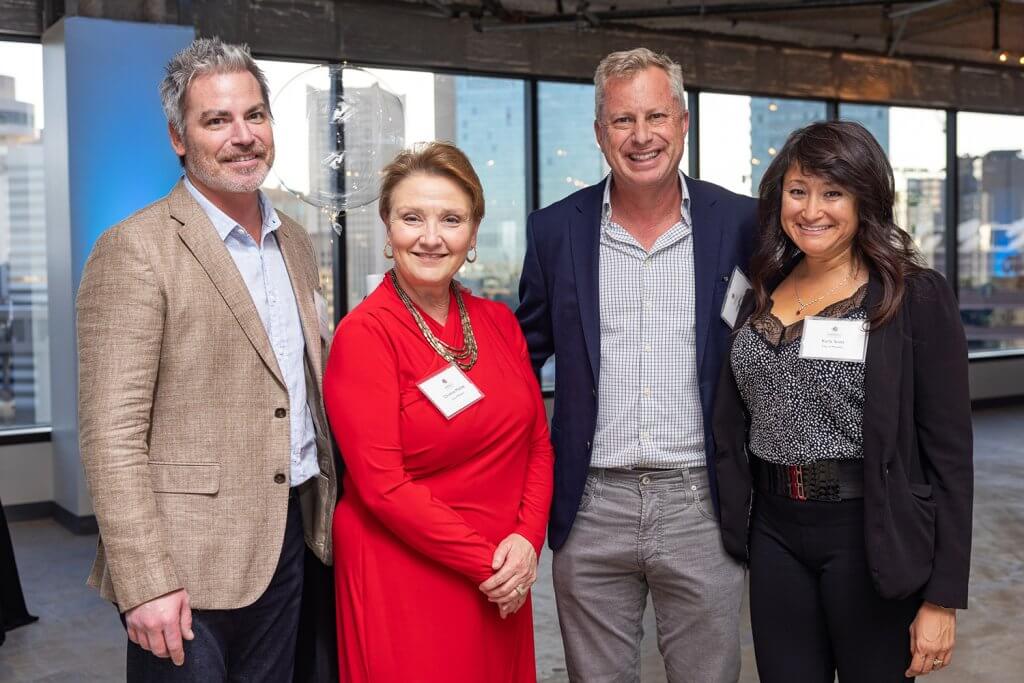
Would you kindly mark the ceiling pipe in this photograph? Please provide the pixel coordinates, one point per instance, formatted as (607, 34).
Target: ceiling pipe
(594, 17)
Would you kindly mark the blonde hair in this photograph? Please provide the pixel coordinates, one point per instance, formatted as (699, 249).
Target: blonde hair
(627, 64)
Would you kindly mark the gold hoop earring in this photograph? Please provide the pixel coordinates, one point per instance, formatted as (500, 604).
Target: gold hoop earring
(389, 251)
(471, 260)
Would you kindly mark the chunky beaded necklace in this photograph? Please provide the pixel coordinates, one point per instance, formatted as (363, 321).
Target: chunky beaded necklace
(465, 357)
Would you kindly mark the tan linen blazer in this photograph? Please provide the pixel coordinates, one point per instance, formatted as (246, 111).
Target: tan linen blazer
(183, 425)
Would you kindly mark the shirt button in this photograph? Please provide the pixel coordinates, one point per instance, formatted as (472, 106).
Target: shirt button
(647, 305)
(647, 348)
(279, 478)
(280, 412)
(644, 436)
(647, 391)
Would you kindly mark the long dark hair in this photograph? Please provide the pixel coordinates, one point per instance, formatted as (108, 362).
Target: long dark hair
(846, 154)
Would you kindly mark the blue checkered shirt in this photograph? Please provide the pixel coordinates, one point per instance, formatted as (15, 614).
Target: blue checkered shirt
(648, 400)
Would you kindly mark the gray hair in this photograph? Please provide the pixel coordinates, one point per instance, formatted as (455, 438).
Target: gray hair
(204, 56)
(627, 64)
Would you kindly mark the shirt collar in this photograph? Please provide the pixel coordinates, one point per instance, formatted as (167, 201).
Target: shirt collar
(606, 203)
(225, 224)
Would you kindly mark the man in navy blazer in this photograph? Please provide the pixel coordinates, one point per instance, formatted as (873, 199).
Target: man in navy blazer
(623, 283)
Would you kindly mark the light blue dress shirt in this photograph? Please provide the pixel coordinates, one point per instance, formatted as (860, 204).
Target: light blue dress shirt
(263, 269)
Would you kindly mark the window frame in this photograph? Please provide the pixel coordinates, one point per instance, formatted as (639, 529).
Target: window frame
(832, 107)
(34, 434)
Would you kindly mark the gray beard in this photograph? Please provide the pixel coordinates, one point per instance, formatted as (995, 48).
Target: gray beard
(211, 177)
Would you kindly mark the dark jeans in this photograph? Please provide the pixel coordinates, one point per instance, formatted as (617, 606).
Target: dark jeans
(813, 608)
(254, 644)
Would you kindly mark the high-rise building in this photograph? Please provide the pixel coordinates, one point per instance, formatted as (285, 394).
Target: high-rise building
(921, 211)
(568, 156)
(24, 345)
(489, 128)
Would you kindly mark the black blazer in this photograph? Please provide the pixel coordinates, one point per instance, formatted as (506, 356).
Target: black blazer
(559, 312)
(918, 469)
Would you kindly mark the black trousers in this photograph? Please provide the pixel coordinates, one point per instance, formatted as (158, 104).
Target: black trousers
(813, 608)
(254, 644)
(13, 612)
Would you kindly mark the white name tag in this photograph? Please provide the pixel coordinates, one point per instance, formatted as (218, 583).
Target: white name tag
(323, 322)
(834, 339)
(450, 390)
(738, 287)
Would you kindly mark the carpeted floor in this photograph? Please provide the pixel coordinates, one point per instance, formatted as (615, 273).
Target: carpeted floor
(79, 638)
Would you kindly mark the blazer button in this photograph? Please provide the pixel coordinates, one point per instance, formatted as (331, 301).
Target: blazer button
(280, 412)
(588, 445)
(279, 478)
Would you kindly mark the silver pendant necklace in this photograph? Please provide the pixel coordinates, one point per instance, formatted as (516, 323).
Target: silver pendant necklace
(803, 305)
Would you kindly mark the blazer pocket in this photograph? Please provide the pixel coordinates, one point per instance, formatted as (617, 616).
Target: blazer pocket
(174, 477)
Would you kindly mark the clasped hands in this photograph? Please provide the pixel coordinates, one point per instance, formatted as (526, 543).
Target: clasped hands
(515, 571)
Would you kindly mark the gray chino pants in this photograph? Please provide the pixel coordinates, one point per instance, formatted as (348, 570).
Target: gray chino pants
(640, 531)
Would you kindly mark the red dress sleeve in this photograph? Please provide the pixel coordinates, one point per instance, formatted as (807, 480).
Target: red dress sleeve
(361, 394)
(536, 504)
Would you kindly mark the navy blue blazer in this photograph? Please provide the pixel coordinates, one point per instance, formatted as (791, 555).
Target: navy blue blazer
(559, 314)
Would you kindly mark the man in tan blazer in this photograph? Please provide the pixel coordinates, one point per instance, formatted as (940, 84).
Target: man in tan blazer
(202, 335)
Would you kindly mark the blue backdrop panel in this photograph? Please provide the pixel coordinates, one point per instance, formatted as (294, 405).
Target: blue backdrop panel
(120, 158)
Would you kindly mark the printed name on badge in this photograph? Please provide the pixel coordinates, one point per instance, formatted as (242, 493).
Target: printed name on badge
(450, 390)
(738, 287)
(834, 339)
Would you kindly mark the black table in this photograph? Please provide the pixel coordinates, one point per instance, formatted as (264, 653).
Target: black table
(13, 612)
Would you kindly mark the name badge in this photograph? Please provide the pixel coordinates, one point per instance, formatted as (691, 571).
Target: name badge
(738, 287)
(834, 339)
(323, 322)
(450, 390)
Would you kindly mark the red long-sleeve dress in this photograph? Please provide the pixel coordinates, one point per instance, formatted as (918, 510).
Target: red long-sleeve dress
(426, 499)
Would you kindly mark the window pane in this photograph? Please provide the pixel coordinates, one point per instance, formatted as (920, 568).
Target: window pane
(990, 230)
(739, 135)
(915, 140)
(294, 147)
(24, 340)
(569, 158)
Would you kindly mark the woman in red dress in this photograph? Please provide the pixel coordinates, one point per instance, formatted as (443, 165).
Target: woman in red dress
(447, 481)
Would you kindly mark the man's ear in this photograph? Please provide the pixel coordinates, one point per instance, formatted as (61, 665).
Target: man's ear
(176, 142)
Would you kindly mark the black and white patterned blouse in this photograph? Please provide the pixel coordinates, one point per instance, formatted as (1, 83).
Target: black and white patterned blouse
(801, 410)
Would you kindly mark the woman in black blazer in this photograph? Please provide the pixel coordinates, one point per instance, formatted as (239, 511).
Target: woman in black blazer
(843, 427)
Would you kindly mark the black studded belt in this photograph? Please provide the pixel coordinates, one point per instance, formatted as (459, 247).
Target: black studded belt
(823, 480)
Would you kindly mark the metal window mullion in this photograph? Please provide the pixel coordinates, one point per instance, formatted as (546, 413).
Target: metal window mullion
(693, 103)
(339, 266)
(532, 146)
(952, 202)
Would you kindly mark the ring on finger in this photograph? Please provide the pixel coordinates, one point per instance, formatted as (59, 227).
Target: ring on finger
(936, 662)
(520, 590)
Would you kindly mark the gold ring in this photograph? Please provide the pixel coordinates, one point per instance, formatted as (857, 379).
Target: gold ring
(936, 662)
(520, 590)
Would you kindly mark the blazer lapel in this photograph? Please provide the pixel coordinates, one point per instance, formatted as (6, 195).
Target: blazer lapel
(202, 240)
(297, 261)
(707, 239)
(585, 232)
